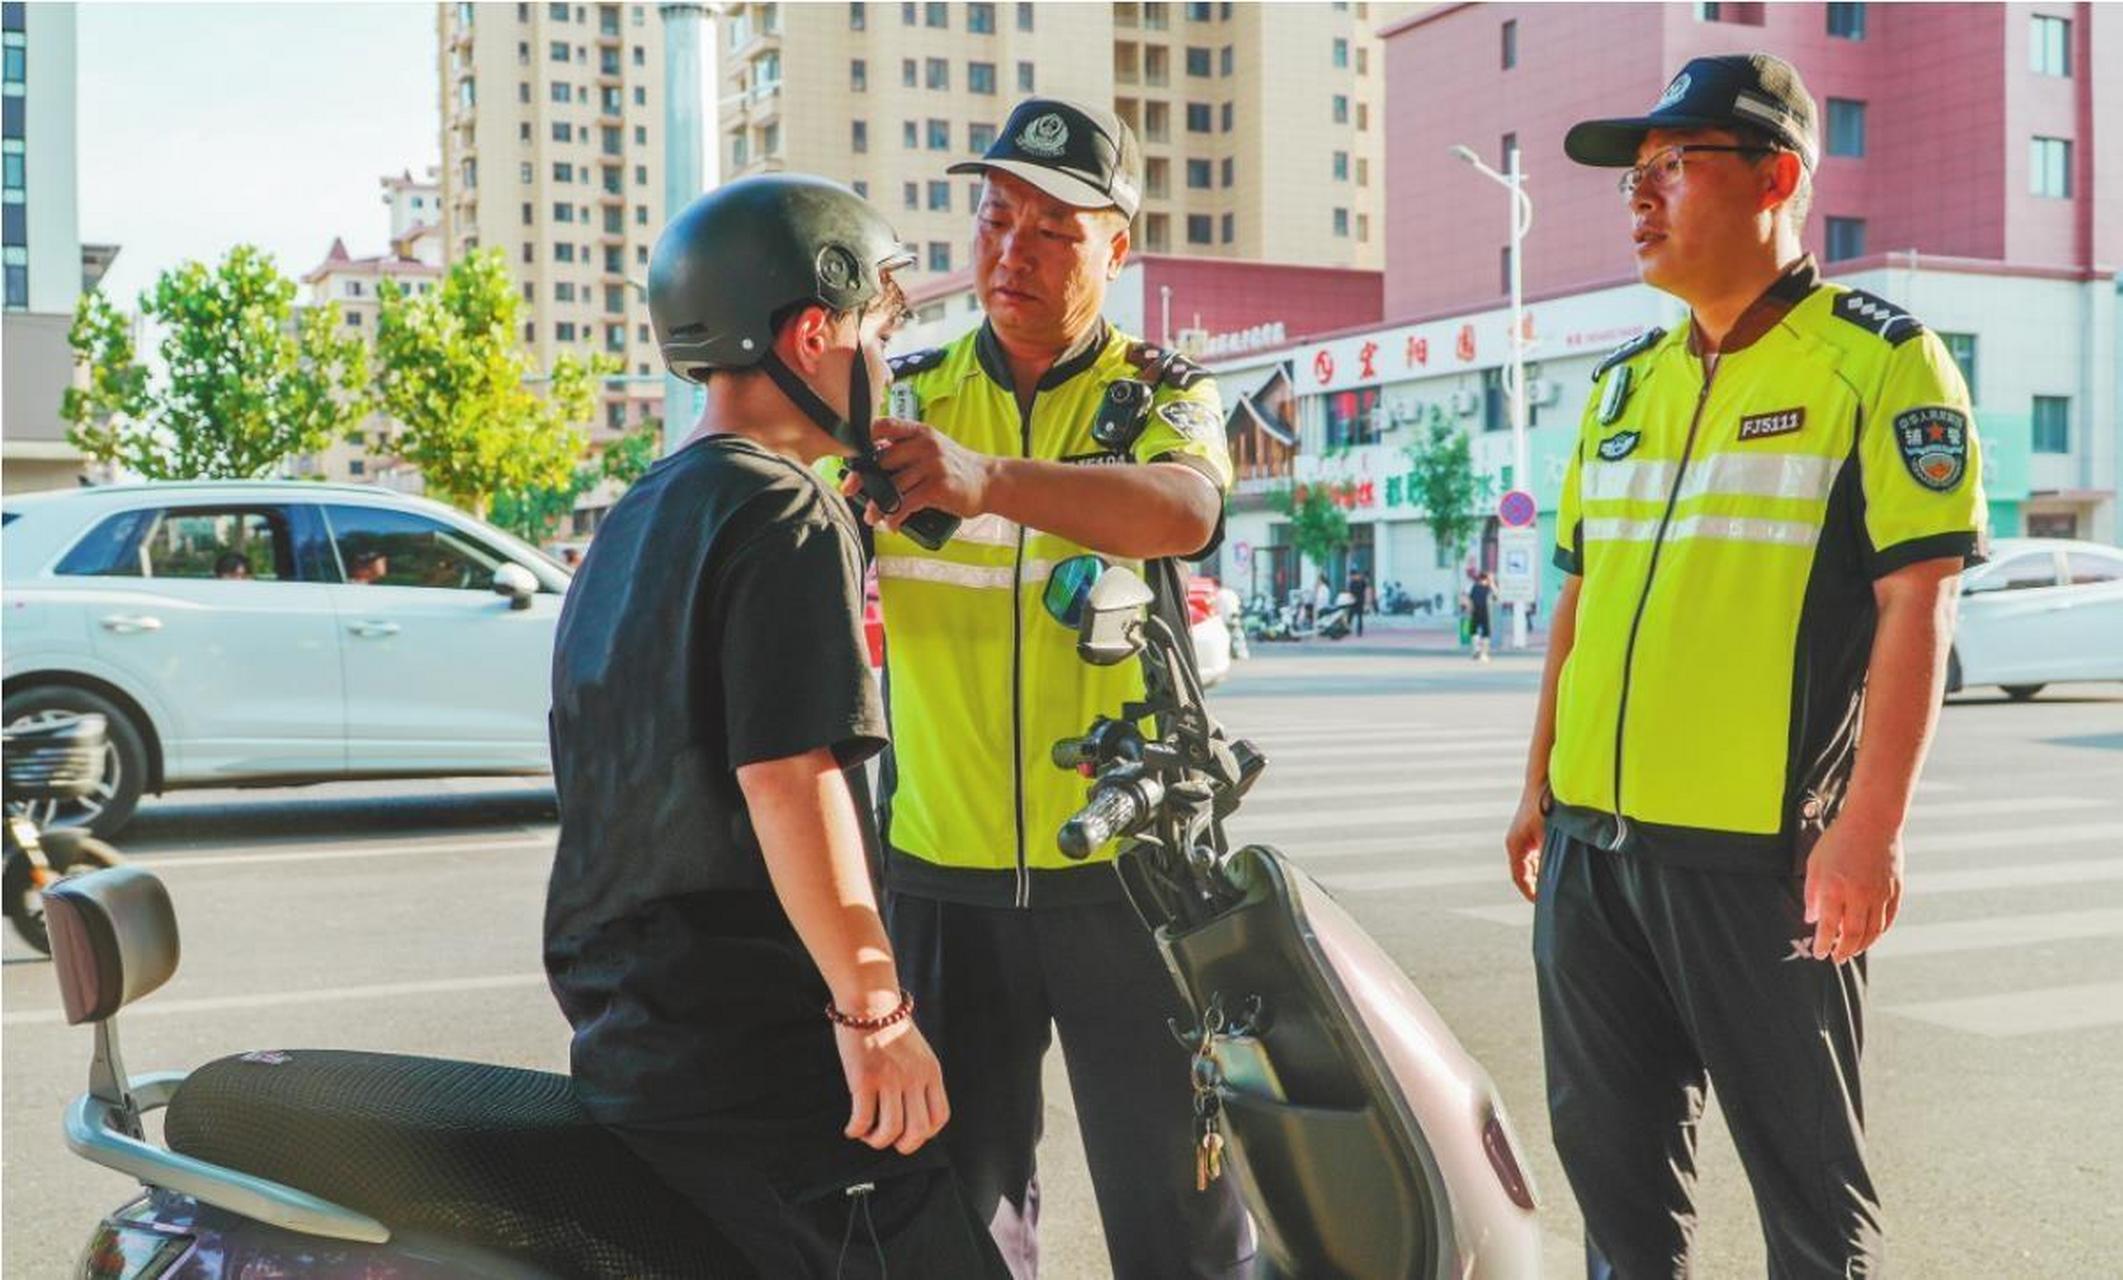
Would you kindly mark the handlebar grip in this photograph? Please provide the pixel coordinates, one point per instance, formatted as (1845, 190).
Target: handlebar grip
(1113, 810)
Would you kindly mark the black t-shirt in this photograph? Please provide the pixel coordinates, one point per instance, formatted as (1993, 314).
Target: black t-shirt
(1478, 597)
(716, 622)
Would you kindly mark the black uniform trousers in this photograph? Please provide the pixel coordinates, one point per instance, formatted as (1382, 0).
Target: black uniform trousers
(991, 987)
(1657, 979)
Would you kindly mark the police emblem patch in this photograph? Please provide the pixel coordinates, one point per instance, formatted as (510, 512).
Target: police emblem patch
(1674, 92)
(1047, 136)
(1781, 423)
(1191, 418)
(1934, 445)
(1620, 445)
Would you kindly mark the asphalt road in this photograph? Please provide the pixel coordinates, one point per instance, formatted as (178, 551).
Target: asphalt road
(405, 917)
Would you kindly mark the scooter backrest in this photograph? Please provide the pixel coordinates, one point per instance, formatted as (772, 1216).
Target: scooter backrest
(114, 939)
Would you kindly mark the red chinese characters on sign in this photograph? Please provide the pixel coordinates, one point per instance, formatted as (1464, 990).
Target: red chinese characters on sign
(1418, 352)
(1323, 367)
(1465, 347)
(1365, 355)
(1349, 496)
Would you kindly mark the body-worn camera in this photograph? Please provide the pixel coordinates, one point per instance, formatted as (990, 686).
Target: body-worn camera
(1122, 413)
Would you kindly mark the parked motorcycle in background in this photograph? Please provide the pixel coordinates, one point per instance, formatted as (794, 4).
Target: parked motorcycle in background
(46, 766)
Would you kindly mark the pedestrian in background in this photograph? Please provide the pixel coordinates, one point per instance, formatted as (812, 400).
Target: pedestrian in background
(1481, 593)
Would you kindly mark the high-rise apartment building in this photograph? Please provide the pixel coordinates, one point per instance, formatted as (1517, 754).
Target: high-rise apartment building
(1262, 124)
(552, 149)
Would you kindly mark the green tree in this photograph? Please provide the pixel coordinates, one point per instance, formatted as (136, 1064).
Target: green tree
(453, 373)
(1319, 526)
(628, 458)
(1442, 481)
(535, 513)
(247, 380)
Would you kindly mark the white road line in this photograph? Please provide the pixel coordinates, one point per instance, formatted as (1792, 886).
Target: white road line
(1416, 877)
(166, 862)
(2022, 838)
(2000, 931)
(1269, 792)
(1253, 826)
(1395, 747)
(2030, 875)
(151, 1008)
(2023, 1013)
(2007, 805)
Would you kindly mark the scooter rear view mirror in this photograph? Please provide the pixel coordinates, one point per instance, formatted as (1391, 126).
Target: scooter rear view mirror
(1112, 628)
(1069, 586)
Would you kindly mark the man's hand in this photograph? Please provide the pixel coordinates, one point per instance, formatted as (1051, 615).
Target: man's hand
(895, 1084)
(1853, 887)
(1522, 845)
(931, 470)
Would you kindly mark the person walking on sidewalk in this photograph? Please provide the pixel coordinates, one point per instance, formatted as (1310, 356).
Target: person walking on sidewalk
(1763, 527)
(1481, 594)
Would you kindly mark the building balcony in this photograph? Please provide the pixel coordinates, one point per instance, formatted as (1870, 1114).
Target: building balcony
(760, 42)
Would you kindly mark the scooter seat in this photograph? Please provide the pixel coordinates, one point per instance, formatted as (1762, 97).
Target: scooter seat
(495, 1157)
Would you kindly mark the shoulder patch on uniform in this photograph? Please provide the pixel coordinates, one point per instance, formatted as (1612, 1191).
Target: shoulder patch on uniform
(1191, 418)
(1934, 445)
(1619, 445)
(1164, 367)
(1627, 351)
(917, 361)
(1878, 317)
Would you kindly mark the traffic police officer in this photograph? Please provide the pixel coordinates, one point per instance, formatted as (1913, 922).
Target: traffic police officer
(1762, 525)
(1001, 939)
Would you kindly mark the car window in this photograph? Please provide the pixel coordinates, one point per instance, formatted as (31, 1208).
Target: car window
(2021, 573)
(110, 550)
(402, 549)
(2082, 568)
(229, 544)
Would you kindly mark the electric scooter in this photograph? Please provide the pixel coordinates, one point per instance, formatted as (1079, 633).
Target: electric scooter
(1365, 1141)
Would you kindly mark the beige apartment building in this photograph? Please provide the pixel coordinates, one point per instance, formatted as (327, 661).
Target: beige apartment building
(1262, 124)
(552, 151)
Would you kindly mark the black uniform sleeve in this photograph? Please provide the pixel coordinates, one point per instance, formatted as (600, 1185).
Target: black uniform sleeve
(795, 673)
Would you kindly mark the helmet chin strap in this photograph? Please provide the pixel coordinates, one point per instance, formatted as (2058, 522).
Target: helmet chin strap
(853, 430)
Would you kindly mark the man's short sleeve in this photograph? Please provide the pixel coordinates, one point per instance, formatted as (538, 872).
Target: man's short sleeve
(1570, 507)
(1187, 426)
(1920, 462)
(795, 672)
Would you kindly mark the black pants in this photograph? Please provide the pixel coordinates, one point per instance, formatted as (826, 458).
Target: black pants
(1654, 977)
(992, 984)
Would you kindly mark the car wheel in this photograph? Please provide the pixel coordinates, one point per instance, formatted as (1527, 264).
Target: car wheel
(110, 806)
(2022, 692)
(1953, 674)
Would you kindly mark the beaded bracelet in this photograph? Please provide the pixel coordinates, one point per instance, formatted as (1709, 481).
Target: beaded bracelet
(879, 1023)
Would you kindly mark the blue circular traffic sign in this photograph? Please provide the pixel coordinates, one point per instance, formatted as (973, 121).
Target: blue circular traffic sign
(1517, 509)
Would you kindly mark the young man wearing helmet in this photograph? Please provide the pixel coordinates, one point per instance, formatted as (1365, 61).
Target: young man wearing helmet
(711, 930)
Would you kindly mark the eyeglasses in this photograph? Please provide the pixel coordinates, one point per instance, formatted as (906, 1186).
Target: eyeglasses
(1665, 165)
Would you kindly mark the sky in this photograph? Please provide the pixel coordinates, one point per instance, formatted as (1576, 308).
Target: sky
(202, 126)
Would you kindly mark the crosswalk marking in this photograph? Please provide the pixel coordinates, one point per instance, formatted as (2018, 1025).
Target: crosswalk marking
(1906, 940)
(2021, 1013)
(2110, 833)
(1922, 884)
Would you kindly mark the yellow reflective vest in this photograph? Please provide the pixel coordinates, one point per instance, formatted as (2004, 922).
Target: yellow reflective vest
(980, 682)
(1728, 521)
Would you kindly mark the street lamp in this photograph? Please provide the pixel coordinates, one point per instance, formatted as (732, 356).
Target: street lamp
(1514, 372)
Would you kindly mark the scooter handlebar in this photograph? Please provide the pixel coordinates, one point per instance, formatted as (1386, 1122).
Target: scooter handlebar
(1114, 809)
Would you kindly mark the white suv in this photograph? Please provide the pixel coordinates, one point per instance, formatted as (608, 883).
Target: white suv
(275, 632)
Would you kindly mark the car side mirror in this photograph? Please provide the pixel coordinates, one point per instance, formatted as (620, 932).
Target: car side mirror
(515, 582)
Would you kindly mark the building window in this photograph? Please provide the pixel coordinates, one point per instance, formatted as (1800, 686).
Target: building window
(1352, 417)
(979, 137)
(973, 196)
(556, 12)
(641, 175)
(563, 171)
(861, 188)
(1363, 116)
(940, 197)
(1199, 11)
(1507, 151)
(1846, 127)
(1341, 166)
(858, 76)
(530, 214)
(563, 211)
(1198, 119)
(909, 73)
(1197, 61)
(1846, 21)
(1024, 17)
(939, 253)
(1227, 117)
(910, 194)
(564, 291)
(859, 136)
(1024, 77)
(1230, 167)
(1743, 15)
(1199, 174)
(559, 91)
(563, 131)
(906, 13)
(980, 19)
(557, 51)
(1341, 108)
(939, 135)
(641, 58)
(524, 172)
(909, 134)
(2052, 424)
(858, 16)
(1341, 223)
(1341, 53)
(1363, 62)
(2049, 46)
(1511, 44)
(563, 251)
(1962, 347)
(980, 77)
(1363, 228)
(1157, 121)
(1846, 239)
(564, 331)
(1157, 16)
(1223, 61)
(1157, 233)
(2050, 167)
(1201, 229)
(939, 76)
(935, 14)
(1230, 227)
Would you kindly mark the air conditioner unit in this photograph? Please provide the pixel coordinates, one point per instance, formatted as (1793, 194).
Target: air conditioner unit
(1543, 391)
(1465, 403)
